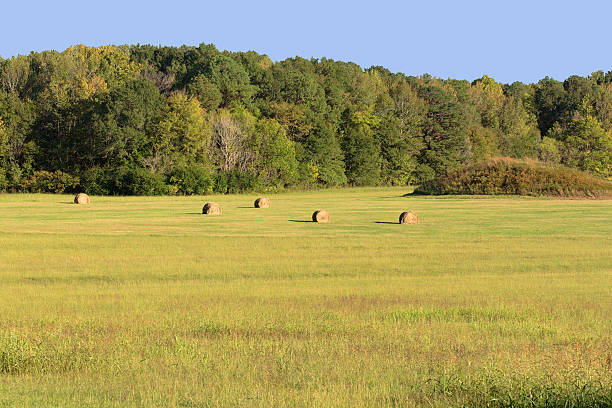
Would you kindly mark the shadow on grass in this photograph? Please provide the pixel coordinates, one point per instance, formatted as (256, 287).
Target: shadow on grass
(393, 197)
(301, 221)
(191, 213)
(386, 222)
(245, 207)
(416, 194)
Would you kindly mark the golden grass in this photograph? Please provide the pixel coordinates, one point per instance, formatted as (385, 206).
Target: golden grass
(146, 302)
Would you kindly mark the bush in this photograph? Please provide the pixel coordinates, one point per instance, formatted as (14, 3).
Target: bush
(188, 180)
(3, 181)
(49, 182)
(123, 181)
(235, 182)
(13, 174)
(548, 150)
(94, 182)
(140, 181)
(424, 173)
(510, 176)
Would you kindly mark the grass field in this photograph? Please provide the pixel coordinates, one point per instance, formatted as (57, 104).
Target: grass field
(145, 302)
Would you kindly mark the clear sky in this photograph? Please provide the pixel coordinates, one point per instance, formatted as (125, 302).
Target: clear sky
(508, 40)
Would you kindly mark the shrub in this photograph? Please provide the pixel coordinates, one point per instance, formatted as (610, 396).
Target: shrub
(235, 182)
(49, 182)
(13, 174)
(188, 180)
(94, 181)
(548, 150)
(138, 181)
(424, 173)
(3, 180)
(510, 176)
(123, 181)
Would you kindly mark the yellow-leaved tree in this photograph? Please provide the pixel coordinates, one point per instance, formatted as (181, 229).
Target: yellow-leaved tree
(182, 134)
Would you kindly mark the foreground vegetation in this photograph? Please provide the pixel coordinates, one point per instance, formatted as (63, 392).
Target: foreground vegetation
(145, 120)
(134, 302)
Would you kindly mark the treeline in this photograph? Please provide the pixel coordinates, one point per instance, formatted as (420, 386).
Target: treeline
(191, 120)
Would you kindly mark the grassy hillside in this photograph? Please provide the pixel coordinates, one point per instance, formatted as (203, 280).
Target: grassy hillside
(144, 302)
(518, 177)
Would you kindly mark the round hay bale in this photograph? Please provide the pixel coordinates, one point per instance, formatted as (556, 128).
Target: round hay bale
(262, 202)
(320, 216)
(408, 217)
(82, 198)
(211, 209)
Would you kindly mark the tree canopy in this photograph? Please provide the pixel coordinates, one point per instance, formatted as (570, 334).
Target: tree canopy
(184, 120)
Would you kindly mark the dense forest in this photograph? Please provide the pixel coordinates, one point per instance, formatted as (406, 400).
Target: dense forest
(190, 120)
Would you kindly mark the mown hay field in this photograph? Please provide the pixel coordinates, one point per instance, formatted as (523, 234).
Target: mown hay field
(145, 302)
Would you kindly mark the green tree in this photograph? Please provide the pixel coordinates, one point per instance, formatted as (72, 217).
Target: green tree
(519, 133)
(445, 142)
(122, 126)
(488, 97)
(207, 93)
(602, 102)
(548, 150)
(297, 119)
(18, 117)
(362, 150)
(111, 63)
(398, 152)
(586, 144)
(275, 158)
(322, 158)
(182, 134)
(551, 103)
(4, 156)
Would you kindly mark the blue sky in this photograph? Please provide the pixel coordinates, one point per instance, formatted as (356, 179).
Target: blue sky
(510, 40)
